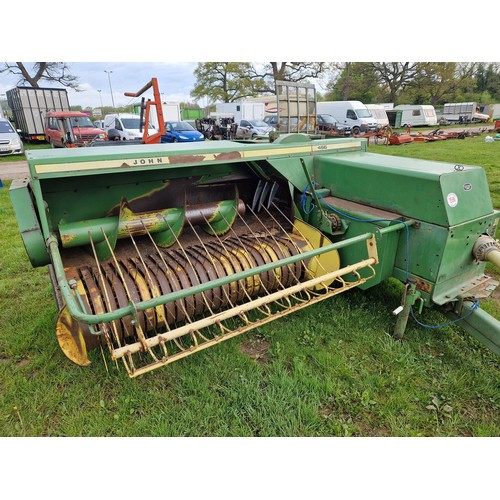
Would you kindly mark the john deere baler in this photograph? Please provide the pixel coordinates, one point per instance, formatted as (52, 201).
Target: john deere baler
(159, 251)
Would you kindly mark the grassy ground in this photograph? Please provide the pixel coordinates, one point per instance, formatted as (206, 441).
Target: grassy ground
(330, 370)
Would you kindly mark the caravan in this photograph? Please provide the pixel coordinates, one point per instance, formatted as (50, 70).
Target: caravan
(351, 113)
(412, 115)
(379, 113)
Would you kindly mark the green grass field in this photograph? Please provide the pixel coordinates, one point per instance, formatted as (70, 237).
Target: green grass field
(331, 370)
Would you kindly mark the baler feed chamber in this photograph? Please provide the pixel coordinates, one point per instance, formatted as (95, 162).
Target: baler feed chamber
(157, 269)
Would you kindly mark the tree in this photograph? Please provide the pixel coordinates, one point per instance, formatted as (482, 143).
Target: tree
(434, 83)
(353, 81)
(42, 72)
(226, 81)
(488, 79)
(395, 75)
(229, 82)
(291, 72)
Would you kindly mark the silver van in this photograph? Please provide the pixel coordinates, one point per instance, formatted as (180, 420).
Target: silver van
(10, 141)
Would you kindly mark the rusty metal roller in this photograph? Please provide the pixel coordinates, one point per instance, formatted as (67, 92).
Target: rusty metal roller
(116, 283)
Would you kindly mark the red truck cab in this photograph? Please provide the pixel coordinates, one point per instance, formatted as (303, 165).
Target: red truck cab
(70, 129)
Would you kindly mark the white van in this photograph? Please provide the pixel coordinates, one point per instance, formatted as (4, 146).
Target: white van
(378, 112)
(416, 115)
(351, 113)
(128, 126)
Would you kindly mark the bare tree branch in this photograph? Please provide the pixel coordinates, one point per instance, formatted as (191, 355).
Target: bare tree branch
(42, 72)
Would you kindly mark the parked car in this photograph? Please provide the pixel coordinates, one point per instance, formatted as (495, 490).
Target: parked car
(329, 124)
(10, 141)
(181, 132)
(250, 129)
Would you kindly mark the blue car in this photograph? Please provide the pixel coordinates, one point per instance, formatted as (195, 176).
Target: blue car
(181, 132)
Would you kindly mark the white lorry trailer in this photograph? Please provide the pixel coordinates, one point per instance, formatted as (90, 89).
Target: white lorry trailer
(464, 112)
(242, 110)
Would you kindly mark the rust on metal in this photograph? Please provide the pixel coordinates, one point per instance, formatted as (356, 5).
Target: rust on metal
(229, 155)
(181, 159)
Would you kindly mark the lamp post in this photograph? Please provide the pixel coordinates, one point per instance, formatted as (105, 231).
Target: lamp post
(100, 97)
(110, 89)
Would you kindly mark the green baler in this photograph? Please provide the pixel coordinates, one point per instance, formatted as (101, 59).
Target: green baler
(159, 251)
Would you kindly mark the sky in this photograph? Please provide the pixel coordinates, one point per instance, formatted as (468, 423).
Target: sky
(175, 81)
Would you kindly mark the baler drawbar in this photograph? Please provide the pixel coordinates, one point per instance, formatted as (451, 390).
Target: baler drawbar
(158, 251)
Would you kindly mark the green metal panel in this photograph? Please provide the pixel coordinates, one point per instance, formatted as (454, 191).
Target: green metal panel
(434, 192)
(386, 248)
(441, 258)
(27, 221)
(89, 183)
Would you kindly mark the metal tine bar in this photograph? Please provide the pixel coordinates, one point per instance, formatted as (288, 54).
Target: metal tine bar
(267, 312)
(205, 339)
(113, 326)
(256, 237)
(243, 316)
(164, 347)
(154, 288)
(157, 269)
(243, 246)
(210, 259)
(131, 361)
(195, 338)
(309, 293)
(138, 328)
(282, 229)
(176, 342)
(150, 281)
(222, 328)
(181, 302)
(277, 208)
(205, 300)
(280, 284)
(248, 306)
(237, 284)
(242, 284)
(104, 359)
(151, 288)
